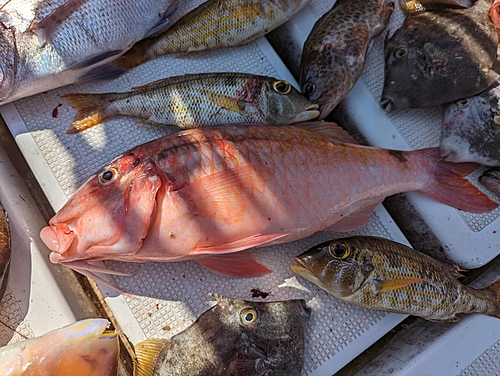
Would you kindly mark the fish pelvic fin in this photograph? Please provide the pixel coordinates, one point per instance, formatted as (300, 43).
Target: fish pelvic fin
(147, 355)
(239, 264)
(92, 109)
(451, 186)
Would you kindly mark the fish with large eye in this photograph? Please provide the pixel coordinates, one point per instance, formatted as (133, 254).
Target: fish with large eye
(220, 340)
(108, 176)
(378, 273)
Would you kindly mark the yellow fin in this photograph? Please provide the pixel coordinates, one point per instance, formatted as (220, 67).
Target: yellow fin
(226, 102)
(394, 284)
(147, 355)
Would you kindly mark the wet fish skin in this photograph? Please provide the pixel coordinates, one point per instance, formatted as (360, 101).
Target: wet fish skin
(48, 44)
(439, 56)
(85, 347)
(5, 251)
(412, 6)
(215, 24)
(334, 54)
(382, 274)
(235, 337)
(471, 129)
(197, 100)
(491, 180)
(157, 201)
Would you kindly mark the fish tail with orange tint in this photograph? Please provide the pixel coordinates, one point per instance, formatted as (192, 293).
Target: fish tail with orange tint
(452, 187)
(92, 109)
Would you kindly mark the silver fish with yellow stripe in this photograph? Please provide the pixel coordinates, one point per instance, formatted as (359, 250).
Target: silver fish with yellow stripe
(381, 274)
(197, 100)
(215, 24)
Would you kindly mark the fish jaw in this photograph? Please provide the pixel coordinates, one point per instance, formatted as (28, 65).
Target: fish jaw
(310, 113)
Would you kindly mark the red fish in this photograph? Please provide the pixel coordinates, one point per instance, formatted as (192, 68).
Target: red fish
(207, 194)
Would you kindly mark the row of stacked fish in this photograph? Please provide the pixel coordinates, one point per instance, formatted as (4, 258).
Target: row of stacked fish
(214, 191)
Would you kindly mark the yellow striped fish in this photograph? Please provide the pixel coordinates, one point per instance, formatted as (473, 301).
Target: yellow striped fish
(214, 24)
(381, 274)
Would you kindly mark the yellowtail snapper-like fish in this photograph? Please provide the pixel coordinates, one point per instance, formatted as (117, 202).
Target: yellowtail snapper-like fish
(381, 274)
(235, 337)
(197, 100)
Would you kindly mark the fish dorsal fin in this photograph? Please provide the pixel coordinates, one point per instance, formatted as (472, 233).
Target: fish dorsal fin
(330, 129)
(147, 354)
(170, 81)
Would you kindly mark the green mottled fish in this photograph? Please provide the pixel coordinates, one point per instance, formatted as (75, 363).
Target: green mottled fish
(381, 274)
(215, 24)
(197, 100)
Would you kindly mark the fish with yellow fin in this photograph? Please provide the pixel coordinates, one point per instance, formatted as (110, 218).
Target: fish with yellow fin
(382, 274)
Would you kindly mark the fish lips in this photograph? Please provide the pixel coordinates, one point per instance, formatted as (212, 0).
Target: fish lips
(311, 112)
(58, 238)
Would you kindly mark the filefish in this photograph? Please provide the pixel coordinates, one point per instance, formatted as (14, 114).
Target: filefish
(198, 100)
(471, 129)
(235, 337)
(381, 274)
(215, 24)
(412, 6)
(440, 56)
(5, 251)
(48, 44)
(491, 180)
(210, 193)
(84, 348)
(334, 54)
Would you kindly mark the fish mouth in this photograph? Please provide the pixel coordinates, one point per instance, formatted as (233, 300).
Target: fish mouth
(387, 104)
(309, 113)
(58, 238)
(303, 269)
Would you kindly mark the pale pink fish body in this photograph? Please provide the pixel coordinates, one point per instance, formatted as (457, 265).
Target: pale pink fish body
(205, 194)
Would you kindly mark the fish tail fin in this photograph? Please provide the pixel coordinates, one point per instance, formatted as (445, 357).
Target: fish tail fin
(92, 109)
(147, 354)
(495, 288)
(452, 187)
(137, 55)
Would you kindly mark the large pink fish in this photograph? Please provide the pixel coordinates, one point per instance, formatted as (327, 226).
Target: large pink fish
(206, 194)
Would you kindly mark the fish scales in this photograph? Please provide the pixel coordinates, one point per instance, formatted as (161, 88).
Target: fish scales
(214, 24)
(381, 274)
(334, 54)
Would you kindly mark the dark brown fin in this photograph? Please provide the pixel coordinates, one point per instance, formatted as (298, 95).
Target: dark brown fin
(91, 110)
(495, 287)
(136, 55)
(451, 186)
(147, 355)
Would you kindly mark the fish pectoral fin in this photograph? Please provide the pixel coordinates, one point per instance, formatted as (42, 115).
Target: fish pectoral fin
(239, 245)
(227, 103)
(334, 131)
(93, 60)
(147, 353)
(240, 264)
(393, 284)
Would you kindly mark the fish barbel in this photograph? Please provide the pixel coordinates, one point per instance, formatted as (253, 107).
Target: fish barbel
(48, 44)
(84, 348)
(334, 54)
(440, 56)
(208, 193)
(198, 100)
(381, 274)
(471, 129)
(235, 337)
(5, 251)
(215, 24)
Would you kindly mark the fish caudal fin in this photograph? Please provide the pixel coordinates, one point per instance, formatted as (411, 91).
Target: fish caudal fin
(495, 287)
(451, 186)
(238, 264)
(147, 354)
(92, 109)
(135, 56)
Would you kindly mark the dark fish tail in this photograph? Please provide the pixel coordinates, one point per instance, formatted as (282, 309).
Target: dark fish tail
(92, 109)
(136, 55)
(451, 186)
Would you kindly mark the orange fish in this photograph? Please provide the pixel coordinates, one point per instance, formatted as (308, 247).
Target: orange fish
(208, 194)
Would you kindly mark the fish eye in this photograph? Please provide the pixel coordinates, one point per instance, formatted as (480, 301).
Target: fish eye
(248, 316)
(108, 176)
(339, 250)
(282, 87)
(400, 52)
(309, 88)
(462, 102)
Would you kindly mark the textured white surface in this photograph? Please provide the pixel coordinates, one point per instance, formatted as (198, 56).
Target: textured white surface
(470, 240)
(172, 295)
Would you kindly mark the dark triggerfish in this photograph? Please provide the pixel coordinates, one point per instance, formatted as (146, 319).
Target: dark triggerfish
(235, 337)
(440, 56)
(381, 274)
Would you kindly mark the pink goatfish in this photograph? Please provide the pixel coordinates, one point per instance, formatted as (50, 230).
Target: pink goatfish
(209, 194)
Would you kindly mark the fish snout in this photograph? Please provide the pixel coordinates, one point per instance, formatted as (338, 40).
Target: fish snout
(387, 104)
(310, 112)
(58, 238)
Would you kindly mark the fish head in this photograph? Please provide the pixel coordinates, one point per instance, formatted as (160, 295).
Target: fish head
(8, 63)
(109, 216)
(323, 79)
(339, 266)
(282, 104)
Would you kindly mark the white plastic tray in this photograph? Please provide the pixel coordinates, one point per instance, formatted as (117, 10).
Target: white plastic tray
(173, 295)
(469, 240)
